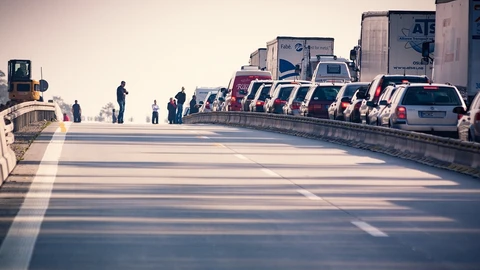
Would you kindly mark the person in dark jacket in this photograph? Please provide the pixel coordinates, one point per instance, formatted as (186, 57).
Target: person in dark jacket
(180, 97)
(121, 93)
(77, 112)
(193, 105)
(171, 107)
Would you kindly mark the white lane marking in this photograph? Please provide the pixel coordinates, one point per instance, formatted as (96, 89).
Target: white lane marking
(309, 195)
(241, 156)
(369, 229)
(269, 172)
(17, 247)
(204, 137)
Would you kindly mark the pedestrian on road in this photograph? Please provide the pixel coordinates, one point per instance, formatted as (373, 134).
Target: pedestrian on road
(65, 117)
(193, 105)
(77, 112)
(114, 117)
(155, 113)
(181, 97)
(121, 93)
(171, 107)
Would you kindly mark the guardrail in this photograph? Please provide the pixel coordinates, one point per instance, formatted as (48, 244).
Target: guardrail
(15, 118)
(436, 151)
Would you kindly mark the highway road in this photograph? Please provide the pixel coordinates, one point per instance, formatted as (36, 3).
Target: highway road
(210, 197)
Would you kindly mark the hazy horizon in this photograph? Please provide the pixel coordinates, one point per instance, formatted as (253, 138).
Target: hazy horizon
(87, 47)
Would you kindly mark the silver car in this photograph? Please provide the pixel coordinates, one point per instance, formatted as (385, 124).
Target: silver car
(469, 123)
(423, 107)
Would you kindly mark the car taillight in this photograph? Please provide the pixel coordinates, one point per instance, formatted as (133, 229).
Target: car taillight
(260, 103)
(459, 116)
(295, 105)
(477, 117)
(279, 101)
(401, 112)
(234, 99)
(207, 105)
(379, 89)
(345, 105)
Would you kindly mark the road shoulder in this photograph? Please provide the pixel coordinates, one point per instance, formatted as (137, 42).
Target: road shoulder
(15, 188)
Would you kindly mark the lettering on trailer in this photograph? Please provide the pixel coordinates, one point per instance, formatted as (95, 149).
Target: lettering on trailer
(242, 86)
(299, 47)
(420, 31)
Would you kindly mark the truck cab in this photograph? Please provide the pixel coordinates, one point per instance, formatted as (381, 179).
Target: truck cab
(21, 87)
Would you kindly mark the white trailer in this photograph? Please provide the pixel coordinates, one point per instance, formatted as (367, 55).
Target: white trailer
(284, 53)
(457, 45)
(259, 58)
(202, 92)
(391, 43)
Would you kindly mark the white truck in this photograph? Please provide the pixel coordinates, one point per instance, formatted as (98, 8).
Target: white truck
(202, 92)
(284, 53)
(457, 45)
(391, 43)
(259, 58)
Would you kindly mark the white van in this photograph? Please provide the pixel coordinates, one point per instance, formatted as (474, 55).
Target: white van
(331, 71)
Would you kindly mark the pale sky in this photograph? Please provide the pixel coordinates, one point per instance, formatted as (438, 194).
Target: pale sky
(86, 47)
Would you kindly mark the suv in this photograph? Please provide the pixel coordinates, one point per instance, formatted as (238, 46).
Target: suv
(318, 99)
(377, 87)
(423, 107)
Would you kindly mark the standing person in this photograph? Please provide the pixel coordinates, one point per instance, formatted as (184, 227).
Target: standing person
(121, 93)
(181, 97)
(155, 112)
(77, 112)
(193, 105)
(171, 107)
(114, 117)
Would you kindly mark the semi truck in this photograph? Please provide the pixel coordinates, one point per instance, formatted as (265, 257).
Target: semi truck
(285, 53)
(457, 45)
(259, 58)
(391, 43)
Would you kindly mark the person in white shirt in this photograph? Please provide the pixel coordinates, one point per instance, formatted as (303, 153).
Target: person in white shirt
(155, 112)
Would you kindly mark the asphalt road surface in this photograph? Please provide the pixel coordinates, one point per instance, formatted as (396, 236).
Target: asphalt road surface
(209, 197)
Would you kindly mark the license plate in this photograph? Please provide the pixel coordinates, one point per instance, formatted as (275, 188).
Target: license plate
(432, 114)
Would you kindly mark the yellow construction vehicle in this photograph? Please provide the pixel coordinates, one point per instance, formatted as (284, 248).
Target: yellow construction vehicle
(21, 87)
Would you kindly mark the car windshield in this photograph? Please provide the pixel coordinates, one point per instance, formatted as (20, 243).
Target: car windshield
(263, 93)
(350, 89)
(431, 95)
(326, 93)
(302, 93)
(285, 92)
(211, 98)
(255, 88)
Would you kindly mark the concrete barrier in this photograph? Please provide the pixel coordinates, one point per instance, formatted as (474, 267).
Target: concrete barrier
(436, 151)
(14, 119)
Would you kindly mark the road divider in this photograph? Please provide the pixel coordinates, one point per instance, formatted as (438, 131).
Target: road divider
(447, 153)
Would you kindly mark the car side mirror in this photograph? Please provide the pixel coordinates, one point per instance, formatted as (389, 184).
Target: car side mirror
(383, 103)
(269, 97)
(371, 104)
(201, 103)
(353, 55)
(346, 99)
(459, 110)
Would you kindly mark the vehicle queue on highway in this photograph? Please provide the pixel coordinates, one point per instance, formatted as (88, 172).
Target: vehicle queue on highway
(407, 102)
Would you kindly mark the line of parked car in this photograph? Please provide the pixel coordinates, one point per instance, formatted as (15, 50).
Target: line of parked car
(408, 102)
